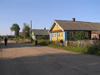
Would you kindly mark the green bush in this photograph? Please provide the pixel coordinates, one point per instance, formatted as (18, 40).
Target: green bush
(28, 38)
(44, 37)
(79, 35)
(94, 49)
(1, 38)
(10, 38)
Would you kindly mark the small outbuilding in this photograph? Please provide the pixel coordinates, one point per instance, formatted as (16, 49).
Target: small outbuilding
(37, 33)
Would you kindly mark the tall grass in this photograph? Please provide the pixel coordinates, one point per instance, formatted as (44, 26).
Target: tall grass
(93, 49)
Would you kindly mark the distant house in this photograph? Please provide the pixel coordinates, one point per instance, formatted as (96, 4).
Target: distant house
(65, 30)
(20, 33)
(37, 33)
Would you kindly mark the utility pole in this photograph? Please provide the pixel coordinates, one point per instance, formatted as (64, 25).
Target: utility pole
(31, 30)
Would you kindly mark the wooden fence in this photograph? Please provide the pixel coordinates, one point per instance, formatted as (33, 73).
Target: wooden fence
(81, 42)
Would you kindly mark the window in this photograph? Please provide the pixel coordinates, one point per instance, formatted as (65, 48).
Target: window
(56, 26)
(52, 35)
(55, 35)
(94, 36)
(61, 34)
(86, 34)
(58, 35)
(71, 34)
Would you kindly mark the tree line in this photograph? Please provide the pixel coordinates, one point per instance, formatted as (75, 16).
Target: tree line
(25, 32)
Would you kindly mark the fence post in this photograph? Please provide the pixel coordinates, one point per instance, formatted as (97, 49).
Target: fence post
(66, 43)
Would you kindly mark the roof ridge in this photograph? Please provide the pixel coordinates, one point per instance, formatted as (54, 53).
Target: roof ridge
(39, 29)
(76, 21)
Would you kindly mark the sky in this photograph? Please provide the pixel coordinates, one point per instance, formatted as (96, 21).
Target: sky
(44, 12)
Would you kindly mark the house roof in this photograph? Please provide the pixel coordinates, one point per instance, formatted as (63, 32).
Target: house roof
(77, 25)
(98, 32)
(40, 31)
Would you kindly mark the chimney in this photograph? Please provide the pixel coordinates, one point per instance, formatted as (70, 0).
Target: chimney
(44, 28)
(73, 19)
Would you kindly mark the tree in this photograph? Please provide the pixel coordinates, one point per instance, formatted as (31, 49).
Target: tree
(26, 31)
(15, 28)
(79, 35)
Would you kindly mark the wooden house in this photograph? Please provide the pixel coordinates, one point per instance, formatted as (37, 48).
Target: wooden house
(65, 30)
(37, 33)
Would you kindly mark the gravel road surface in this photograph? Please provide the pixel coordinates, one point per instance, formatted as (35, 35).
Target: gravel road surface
(27, 59)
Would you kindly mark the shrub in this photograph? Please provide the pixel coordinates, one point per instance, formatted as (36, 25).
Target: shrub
(94, 49)
(0, 38)
(28, 38)
(11, 38)
(44, 37)
(79, 35)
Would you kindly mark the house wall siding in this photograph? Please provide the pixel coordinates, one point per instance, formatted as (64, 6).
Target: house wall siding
(55, 31)
(33, 36)
(57, 38)
(55, 28)
(68, 35)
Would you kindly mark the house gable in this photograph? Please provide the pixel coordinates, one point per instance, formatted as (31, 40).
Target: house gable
(55, 27)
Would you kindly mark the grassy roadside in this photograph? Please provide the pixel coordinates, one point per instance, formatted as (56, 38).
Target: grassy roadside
(93, 49)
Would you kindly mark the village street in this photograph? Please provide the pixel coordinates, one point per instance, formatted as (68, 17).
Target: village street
(27, 59)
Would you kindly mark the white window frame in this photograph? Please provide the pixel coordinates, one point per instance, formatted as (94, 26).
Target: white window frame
(86, 34)
(54, 35)
(71, 34)
(58, 34)
(61, 34)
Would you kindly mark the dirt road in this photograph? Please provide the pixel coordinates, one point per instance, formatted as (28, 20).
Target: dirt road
(26, 59)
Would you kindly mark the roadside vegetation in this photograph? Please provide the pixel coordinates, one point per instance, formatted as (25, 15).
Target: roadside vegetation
(92, 49)
(1, 38)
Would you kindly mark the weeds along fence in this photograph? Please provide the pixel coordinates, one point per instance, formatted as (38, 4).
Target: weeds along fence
(28, 40)
(81, 42)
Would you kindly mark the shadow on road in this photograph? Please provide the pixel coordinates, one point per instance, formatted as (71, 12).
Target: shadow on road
(51, 64)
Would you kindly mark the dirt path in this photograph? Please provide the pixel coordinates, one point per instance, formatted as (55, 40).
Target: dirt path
(26, 59)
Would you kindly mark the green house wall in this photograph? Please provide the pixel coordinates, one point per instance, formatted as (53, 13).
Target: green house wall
(68, 35)
(33, 36)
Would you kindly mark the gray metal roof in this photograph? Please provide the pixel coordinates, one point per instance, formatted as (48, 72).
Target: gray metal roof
(40, 32)
(98, 32)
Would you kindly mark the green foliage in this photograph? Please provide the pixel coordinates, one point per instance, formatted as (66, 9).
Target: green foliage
(1, 38)
(94, 49)
(19, 37)
(44, 37)
(11, 38)
(79, 35)
(42, 42)
(28, 38)
(15, 28)
(26, 31)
